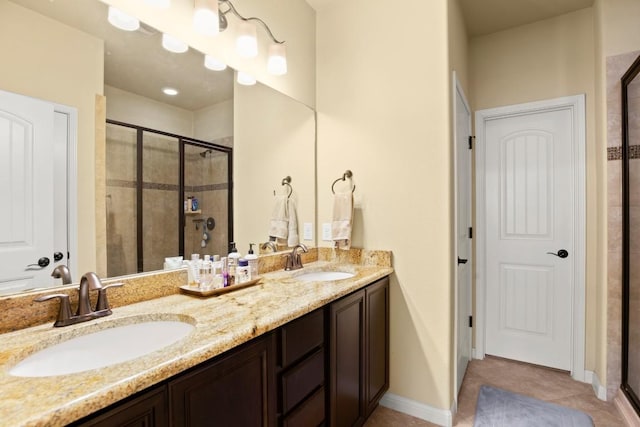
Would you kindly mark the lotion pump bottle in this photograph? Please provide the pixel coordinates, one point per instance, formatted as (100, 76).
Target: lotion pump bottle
(253, 261)
(232, 259)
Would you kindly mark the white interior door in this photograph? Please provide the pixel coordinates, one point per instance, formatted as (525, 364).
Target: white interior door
(26, 191)
(463, 230)
(529, 222)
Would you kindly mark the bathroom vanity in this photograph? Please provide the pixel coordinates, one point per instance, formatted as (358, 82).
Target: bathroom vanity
(285, 352)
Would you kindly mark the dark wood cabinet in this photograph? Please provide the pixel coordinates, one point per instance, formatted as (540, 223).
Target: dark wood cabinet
(235, 390)
(301, 371)
(358, 354)
(147, 409)
(329, 367)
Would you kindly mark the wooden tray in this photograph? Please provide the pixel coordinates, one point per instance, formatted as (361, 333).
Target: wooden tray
(192, 290)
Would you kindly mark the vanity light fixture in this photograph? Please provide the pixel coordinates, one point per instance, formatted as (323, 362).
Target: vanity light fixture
(277, 62)
(121, 20)
(247, 42)
(213, 63)
(245, 79)
(205, 17)
(170, 91)
(162, 4)
(173, 44)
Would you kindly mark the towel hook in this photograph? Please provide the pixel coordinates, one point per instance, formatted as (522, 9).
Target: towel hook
(287, 181)
(345, 175)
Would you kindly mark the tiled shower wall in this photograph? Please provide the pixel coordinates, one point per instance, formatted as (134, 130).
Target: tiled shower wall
(205, 178)
(616, 67)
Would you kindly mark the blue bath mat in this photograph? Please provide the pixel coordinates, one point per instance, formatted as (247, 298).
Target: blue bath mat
(501, 408)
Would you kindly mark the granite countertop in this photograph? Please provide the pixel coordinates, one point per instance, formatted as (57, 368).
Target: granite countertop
(221, 323)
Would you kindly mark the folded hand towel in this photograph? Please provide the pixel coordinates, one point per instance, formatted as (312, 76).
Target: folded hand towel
(279, 223)
(342, 220)
(293, 238)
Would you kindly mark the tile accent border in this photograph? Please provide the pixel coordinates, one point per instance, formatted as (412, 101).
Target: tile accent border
(615, 153)
(166, 187)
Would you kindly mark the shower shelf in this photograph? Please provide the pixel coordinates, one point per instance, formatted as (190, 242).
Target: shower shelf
(198, 212)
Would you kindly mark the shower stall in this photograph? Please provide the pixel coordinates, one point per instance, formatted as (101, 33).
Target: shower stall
(150, 174)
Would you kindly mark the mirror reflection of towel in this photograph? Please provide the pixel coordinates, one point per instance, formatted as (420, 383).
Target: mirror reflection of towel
(279, 223)
(342, 222)
(284, 221)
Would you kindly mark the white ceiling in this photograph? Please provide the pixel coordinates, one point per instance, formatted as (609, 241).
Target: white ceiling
(489, 16)
(136, 62)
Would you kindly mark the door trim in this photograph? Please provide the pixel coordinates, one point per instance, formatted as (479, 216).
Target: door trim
(576, 104)
(458, 91)
(72, 185)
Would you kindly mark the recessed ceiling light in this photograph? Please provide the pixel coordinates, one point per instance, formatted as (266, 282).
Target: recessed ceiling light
(170, 91)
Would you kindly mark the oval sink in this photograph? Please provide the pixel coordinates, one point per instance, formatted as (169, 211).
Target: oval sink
(323, 276)
(102, 348)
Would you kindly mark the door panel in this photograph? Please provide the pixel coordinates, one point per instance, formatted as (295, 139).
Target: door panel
(529, 204)
(26, 191)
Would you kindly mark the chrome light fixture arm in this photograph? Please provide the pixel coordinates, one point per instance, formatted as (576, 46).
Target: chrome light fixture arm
(231, 8)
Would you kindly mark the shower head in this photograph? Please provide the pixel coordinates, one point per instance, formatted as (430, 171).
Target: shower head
(204, 153)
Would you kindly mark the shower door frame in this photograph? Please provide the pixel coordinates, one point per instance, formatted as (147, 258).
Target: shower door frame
(629, 76)
(182, 141)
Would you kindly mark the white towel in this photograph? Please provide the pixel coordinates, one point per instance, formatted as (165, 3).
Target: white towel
(342, 222)
(293, 238)
(279, 223)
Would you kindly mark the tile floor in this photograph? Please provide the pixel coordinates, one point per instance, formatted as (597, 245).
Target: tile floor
(542, 383)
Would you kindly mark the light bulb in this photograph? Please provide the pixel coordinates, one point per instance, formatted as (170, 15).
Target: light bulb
(277, 62)
(246, 79)
(170, 91)
(162, 4)
(214, 63)
(247, 42)
(173, 44)
(205, 17)
(121, 20)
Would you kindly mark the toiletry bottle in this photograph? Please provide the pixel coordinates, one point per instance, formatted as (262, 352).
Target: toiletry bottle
(253, 261)
(225, 272)
(194, 268)
(205, 273)
(216, 272)
(243, 271)
(194, 204)
(232, 260)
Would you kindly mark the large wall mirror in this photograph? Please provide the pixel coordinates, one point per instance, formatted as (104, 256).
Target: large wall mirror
(631, 234)
(227, 145)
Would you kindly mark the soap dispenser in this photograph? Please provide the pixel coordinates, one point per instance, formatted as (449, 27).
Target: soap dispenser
(232, 259)
(253, 261)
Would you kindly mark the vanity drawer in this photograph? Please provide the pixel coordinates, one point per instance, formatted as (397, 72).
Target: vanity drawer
(301, 336)
(309, 414)
(301, 380)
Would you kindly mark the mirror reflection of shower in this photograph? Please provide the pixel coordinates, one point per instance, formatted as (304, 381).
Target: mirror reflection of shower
(150, 176)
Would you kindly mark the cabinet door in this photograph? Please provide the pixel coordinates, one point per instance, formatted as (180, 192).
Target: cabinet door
(346, 366)
(376, 343)
(236, 390)
(148, 409)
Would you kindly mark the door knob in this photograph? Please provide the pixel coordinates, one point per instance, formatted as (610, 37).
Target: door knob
(57, 256)
(562, 253)
(462, 261)
(42, 263)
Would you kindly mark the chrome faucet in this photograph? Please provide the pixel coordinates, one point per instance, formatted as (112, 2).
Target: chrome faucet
(270, 244)
(62, 272)
(294, 261)
(89, 282)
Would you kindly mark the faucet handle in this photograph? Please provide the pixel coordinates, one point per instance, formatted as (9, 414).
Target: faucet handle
(64, 313)
(103, 302)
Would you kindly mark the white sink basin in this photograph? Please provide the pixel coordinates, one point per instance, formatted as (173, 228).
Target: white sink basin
(102, 348)
(324, 276)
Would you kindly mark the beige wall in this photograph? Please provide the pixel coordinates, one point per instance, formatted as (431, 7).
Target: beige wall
(547, 59)
(292, 21)
(382, 113)
(50, 61)
(214, 122)
(274, 137)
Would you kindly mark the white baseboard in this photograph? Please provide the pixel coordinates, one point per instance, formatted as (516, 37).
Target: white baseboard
(416, 409)
(591, 377)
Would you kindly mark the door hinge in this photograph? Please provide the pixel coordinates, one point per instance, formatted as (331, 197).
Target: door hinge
(68, 256)
(471, 321)
(471, 232)
(471, 138)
